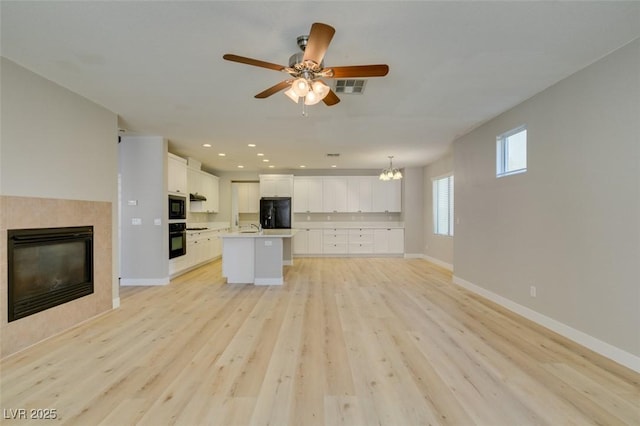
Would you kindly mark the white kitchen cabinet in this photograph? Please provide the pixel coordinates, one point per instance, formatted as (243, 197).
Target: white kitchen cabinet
(388, 241)
(176, 174)
(335, 241)
(307, 241)
(334, 194)
(360, 241)
(276, 185)
(248, 197)
(206, 184)
(202, 247)
(359, 193)
(307, 194)
(386, 196)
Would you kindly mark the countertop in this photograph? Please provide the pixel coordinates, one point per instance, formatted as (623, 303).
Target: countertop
(348, 225)
(265, 233)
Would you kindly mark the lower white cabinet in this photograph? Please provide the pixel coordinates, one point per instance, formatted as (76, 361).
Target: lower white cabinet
(202, 246)
(335, 241)
(361, 241)
(307, 241)
(345, 241)
(388, 241)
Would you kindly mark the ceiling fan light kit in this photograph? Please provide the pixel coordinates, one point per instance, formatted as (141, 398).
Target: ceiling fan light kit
(306, 69)
(390, 173)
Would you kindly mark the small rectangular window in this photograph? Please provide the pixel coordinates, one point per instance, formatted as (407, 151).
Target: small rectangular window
(443, 206)
(511, 152)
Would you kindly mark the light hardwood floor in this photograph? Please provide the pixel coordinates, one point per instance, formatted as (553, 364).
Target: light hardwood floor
(344, 342)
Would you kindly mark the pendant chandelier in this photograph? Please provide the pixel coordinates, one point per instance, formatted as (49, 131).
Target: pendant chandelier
(390, 173)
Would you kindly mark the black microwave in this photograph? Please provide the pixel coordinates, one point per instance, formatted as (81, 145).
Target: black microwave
(177, 207)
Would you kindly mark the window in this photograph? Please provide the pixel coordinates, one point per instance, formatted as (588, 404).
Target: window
(511, 152)
(443, 206)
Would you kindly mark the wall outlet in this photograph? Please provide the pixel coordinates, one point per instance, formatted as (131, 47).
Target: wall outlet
(157, 221)
(136, 221)
(328, 217)
(308, 217)
(533, 291)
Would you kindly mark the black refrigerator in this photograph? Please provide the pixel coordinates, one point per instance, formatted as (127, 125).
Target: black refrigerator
(275, 212)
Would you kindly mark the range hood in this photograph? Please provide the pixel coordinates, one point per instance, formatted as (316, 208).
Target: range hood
(197, 197)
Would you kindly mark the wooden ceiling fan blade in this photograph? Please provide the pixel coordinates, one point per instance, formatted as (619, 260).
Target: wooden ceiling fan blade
(379, 70)
(274, 89)
(331, 98)
(319, 39)
(254, 62)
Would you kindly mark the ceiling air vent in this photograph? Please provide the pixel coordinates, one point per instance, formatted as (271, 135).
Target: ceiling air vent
(350, 87)
(333, 155)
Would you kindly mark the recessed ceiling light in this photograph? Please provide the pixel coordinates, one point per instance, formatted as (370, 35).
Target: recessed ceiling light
(206, 145)
(302, 166)
(221, 154)
(271, 166)
(260, 154)
(333, 165)
(266, 160)
(241, 167)
(252, 145)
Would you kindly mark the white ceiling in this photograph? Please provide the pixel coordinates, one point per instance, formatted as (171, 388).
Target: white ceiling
(453, 66)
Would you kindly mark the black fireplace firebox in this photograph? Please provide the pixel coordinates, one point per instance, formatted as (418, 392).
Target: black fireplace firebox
(48, 267)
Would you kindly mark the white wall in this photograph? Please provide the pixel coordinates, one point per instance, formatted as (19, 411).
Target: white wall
(437, 248)
(413, 211)
(571, 224)
(56, 144)
(144, 247)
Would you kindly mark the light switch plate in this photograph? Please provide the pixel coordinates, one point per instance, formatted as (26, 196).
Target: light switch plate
(136, 221)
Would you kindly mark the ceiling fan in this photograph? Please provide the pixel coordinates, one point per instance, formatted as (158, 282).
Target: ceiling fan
(306, 69)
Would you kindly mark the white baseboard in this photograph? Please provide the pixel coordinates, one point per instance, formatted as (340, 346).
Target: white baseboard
(115, 303)
(143, 281)
(414, 256)
(438, 262)
(603, 348)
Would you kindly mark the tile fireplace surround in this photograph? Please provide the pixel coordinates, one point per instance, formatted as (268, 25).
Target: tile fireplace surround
(26, 212)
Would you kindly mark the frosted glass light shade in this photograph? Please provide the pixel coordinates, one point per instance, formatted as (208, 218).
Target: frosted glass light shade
(300, 87)
(291, 95)
(320, 89)
(312, 98)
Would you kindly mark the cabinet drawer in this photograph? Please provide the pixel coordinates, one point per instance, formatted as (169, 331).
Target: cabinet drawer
(361, 236)
(336, 231)
(357, 248)
(334, 239)
(336, 248)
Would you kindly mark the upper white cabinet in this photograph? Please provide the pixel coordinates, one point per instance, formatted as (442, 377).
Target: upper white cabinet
(206, 184)
(248, 197)
(276, 185)
(307, 194)
(177, 174)
(334, 194)
(359, 194)
(386, 196)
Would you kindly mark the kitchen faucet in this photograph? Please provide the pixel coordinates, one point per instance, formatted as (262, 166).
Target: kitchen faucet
(258, 227)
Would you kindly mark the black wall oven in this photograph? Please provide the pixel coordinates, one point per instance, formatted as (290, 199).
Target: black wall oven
(177, 239)
(177, 207)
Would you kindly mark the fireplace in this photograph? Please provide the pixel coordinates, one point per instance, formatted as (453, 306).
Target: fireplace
(48, 267)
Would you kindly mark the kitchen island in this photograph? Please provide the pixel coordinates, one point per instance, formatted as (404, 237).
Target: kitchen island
(256, 257)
